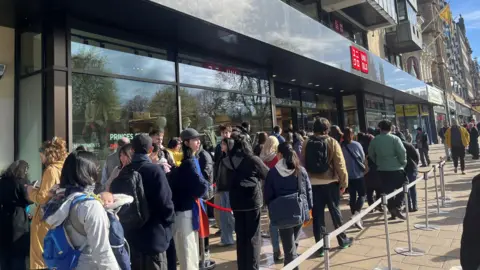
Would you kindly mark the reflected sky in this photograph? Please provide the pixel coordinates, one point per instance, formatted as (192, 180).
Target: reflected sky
(276, 23)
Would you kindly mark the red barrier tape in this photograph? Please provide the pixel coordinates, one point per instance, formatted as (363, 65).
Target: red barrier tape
(218, 207)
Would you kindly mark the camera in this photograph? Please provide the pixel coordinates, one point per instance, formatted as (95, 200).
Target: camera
(2, 70)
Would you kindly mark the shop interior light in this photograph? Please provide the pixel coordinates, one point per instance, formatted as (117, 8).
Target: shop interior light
(317, 85)
(293, 80)
(274, 75)
(310, 83)
(341, 91)
(330, 88)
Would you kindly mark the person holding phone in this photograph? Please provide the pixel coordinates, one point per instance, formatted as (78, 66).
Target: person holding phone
(52, 154)
(14, 222)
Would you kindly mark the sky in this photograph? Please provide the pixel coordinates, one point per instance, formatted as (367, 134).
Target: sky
(470, 11)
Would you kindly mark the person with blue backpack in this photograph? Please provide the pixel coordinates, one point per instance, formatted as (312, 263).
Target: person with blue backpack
(79, 225)
(288, 194)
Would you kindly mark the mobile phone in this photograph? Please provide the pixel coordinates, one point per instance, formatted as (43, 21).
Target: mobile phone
(36, 184)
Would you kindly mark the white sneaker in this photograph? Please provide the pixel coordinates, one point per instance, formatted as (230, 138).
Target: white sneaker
(358, 224)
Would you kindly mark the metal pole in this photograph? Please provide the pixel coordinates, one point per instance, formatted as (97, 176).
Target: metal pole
(387, 236)
(202, 252)
(410, 251)
(326, 249)
(426, 226)
(436, 188)
(442, 183)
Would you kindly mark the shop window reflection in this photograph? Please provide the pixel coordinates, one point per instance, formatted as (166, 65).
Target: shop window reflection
(316, 105)
(351, 112)
(101, 54)
(105, 109)
(205, 110)
(196, 71)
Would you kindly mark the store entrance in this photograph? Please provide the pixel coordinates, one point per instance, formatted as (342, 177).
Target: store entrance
(287, 118)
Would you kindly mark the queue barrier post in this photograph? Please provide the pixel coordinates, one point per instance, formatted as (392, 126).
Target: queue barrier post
(444, 197)
(387, 236)
(426, 226)
(408, 251)
(439, 212)
(326, 249)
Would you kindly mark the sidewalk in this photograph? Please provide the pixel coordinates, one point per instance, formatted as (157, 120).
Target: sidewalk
(442, 247)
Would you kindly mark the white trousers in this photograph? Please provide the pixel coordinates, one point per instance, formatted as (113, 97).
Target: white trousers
(186, 241)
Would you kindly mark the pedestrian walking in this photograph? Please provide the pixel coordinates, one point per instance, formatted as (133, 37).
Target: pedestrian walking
(188, 186)
(288, 178)
(457, 138)
(422, 146)
(327, 171)
(389, 154)
(355, 161)
(14, 221)
(246, 172)
(52, 155)
(441, 134)
(473, 145)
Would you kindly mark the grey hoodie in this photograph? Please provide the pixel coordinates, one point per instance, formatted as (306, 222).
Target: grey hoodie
(97, 253)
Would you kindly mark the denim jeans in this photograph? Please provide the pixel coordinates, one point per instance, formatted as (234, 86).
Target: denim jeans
(412, 192)
(227, 221)
(275, 237)
(356, 189)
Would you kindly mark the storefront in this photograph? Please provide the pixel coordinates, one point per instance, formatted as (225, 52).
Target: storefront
(464, 114)
(90, 76)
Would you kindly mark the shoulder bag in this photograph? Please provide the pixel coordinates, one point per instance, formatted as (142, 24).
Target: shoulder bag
(357, 161)
(290, 210)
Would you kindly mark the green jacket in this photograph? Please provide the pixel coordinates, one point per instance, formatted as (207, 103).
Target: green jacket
(388, 153)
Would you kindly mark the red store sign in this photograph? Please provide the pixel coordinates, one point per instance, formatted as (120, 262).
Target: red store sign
(359, 59)
(230, 70)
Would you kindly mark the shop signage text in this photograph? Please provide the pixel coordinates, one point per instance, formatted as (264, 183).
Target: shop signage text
(451, 104)
(359, 59)
(222, 69)
(338, 26)
(435, 95)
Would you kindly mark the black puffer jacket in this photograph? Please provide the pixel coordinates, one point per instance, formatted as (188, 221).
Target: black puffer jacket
(206, 166)
(245, 173)
(470, 249)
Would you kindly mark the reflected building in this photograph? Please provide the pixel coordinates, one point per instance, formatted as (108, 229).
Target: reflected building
(96, 71)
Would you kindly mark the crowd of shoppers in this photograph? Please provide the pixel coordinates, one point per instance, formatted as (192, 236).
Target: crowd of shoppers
(293, 174)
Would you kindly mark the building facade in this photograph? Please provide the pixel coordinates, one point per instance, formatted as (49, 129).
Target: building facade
(92, 76)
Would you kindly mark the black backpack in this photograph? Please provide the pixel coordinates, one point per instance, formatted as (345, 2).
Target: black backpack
(129, 182)
(316, 155)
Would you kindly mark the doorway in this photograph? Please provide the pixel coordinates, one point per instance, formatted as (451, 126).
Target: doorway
(287, 118)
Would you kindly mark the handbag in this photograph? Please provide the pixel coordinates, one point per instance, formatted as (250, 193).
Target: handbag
(290, 210)
(360, 164)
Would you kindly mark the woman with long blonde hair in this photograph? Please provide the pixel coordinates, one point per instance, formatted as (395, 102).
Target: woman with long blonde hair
(52, 153)
(269, 152)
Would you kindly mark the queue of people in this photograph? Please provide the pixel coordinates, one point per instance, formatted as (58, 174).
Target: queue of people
(293, 175)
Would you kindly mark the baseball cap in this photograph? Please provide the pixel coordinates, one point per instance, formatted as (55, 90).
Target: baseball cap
(141, 144)
(189, 133)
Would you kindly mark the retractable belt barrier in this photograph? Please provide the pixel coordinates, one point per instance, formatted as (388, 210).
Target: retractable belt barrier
(406, 251)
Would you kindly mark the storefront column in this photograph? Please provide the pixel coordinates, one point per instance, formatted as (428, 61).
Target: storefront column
(340, 111)
(361, 111)
(57, 91)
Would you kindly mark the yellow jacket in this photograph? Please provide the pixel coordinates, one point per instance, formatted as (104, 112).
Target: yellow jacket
(177, 156)
(464, 134)
(38, 229)
(338, 168)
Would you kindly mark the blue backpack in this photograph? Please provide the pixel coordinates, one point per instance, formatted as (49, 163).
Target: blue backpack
(60, 254)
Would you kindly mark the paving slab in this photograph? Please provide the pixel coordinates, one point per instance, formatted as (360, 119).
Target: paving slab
(442, 247)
